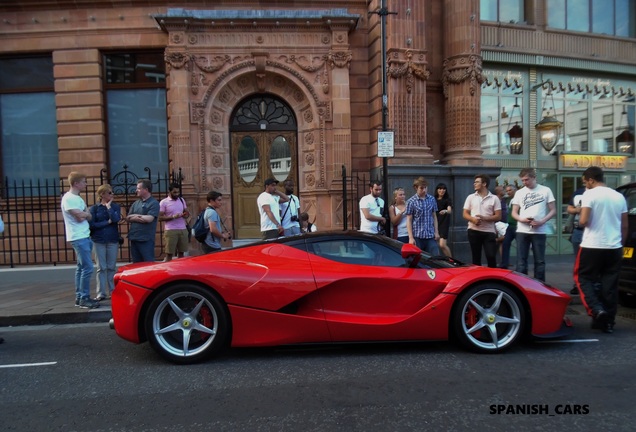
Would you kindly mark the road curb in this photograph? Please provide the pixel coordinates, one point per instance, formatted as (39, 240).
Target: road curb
(76, 317)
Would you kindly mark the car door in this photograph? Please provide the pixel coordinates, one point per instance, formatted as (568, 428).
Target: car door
(368, 291)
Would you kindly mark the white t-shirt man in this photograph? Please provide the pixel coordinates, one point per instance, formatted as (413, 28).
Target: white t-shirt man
(266, 198)
(603, 230)
(533, 203)
(74, 230)
(375, 206)
(287, 210)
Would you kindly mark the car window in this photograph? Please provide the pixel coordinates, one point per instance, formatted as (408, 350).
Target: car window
(358, 252)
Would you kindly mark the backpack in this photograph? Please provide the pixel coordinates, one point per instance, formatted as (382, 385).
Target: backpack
(200, 229)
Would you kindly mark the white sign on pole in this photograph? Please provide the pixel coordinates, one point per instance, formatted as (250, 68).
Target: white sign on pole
(385, 144)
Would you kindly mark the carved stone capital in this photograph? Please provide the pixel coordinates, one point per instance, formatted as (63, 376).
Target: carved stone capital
(401, 63)
(340, 59)
(465, 67)
(177, 59)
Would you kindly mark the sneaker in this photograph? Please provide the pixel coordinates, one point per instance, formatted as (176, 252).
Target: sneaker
(88, 304)
(574, 291)
(100, 298)
(608, 328)
(77, 301)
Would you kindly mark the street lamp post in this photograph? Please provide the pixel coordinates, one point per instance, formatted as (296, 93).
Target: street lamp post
(382, 13)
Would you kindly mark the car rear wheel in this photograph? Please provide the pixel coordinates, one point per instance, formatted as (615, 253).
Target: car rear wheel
(489, 318)
(187, 324)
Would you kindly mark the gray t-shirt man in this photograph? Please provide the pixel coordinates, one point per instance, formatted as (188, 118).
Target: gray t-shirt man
(211, 215)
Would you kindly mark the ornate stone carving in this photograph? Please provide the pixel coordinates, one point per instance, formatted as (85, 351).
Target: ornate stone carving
(217, 183)
(408, 68)
(310, 180)
(197, 113)
(308, 115)
(203, 66)
(310, 159)
(216, 140)
(460, 68)
(176, 59)
(217, 161)
(340, 59)
(216, 118)
(312, 64)
(309, 138)
(177, 38)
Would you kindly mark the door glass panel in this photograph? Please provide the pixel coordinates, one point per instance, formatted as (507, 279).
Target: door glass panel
(280, 158)
(248, 156)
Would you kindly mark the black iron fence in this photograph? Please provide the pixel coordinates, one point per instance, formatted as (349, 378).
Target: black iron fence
(34, 226)
(354, 187)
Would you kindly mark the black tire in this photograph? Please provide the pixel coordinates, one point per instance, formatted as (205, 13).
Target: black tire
(187, 324)
(488, 318)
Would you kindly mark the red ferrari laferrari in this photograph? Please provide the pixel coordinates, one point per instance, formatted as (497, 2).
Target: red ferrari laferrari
(324, 288)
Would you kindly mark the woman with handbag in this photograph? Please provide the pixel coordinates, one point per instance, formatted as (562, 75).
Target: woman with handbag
(105, 236)
(396, 212)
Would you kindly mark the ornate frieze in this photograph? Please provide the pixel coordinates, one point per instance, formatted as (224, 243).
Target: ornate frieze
(458, 69)
(402, 64)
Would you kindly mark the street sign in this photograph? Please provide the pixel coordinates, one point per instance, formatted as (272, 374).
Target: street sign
(385, 144)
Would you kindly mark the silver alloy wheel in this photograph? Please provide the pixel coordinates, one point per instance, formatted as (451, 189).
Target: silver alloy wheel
(185, 324)
(491, 319)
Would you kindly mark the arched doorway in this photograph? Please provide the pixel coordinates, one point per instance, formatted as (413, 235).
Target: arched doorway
(263, 132)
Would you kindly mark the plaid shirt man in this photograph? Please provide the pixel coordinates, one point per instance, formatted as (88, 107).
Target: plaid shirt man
(423, 211)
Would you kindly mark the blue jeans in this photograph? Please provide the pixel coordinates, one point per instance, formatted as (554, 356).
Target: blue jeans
(427, 245)
(142, 251)
(538, 251)
(84, 271)
(511, 233)
(106, 257)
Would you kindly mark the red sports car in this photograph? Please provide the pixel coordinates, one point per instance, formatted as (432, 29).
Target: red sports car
(324, 288)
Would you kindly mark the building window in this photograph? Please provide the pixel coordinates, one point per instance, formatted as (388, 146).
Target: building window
(502, 127)
(597, 112)
(610, 17)
(136, 112)
(505, 11)
(28, 142)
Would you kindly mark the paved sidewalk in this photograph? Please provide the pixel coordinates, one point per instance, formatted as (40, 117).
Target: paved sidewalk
(45, 295)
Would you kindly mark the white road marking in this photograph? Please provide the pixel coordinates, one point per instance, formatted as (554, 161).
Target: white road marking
(570, 341)
(26, 365)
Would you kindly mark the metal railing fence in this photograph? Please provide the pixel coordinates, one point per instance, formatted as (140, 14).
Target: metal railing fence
(34, 226)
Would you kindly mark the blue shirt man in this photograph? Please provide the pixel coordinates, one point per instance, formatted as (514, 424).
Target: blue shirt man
(421, 218)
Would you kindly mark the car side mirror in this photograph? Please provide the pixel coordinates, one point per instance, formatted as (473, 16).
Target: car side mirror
(411, 254)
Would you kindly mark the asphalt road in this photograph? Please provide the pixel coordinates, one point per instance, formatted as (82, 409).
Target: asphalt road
(90, 380)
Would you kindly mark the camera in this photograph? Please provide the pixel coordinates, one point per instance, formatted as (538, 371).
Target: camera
(294, 218)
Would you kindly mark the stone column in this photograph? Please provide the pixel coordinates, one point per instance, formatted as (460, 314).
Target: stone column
(461, 80)
(407, 75)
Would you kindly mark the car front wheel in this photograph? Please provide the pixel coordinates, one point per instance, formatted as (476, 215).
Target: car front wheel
(187, 323)
(489, 318)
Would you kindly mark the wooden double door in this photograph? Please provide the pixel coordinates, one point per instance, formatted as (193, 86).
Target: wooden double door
(257, 156)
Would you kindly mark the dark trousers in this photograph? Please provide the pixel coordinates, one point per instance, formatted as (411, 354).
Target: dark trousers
(596, 275)
(511, 232)
(485, 240)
